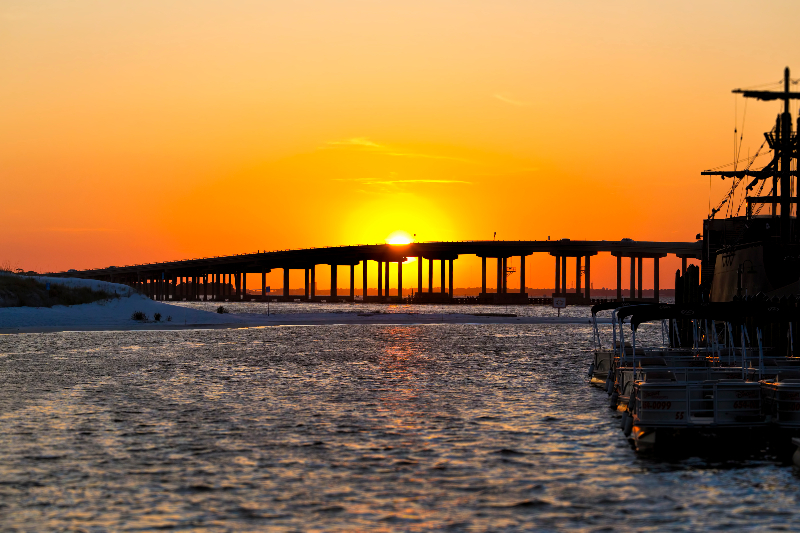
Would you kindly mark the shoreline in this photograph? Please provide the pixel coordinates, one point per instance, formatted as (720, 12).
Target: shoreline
(311, 319)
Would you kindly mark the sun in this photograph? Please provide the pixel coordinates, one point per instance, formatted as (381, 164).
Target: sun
(399, 237)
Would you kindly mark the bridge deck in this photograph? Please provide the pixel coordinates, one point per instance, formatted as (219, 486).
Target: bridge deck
(352, 255)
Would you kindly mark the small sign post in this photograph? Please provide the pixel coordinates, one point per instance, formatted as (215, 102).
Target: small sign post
(559, 303)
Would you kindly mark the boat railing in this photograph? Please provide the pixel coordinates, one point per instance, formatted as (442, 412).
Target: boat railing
(710, 403)
(781, 399)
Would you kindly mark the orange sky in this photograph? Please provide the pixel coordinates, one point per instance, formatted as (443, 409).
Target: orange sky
(138, 131)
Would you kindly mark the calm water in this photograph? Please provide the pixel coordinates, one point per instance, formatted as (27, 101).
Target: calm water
(408, 428)
(291, 308)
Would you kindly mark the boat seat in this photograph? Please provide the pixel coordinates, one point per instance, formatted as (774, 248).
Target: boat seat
(650, 361)
(659, 375)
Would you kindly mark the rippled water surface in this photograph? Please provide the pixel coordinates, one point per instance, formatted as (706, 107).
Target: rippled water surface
(292, 308)
(407, 428)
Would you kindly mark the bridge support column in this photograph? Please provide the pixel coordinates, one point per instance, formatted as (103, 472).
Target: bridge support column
(683, 266)
(238, 278)
(639, 262)
(387, 266)
(380, 281)
(588, 278)
(334, 281)
(244, 285)
(499, 275)
(522, 289)
(505, 275)
(419, 274)
(450, 284)
(563, 275)
(205, 287)
(483, 275)
(400, 280)
(442, 261)
(352, 283)
(558, 276)
(286, 284)
(313, 281)
(578, 276)
(619, 277)
(655, 279)
(633, 277)
(263, 285)
(364, 280)
(430, 276)
(306, 281)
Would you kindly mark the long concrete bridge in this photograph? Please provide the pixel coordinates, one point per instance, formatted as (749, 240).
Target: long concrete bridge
(224, 278)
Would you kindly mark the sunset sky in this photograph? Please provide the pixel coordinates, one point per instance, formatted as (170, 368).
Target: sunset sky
(142, 131)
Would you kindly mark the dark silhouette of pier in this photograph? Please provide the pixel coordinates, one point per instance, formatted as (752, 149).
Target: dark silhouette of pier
(224, 278)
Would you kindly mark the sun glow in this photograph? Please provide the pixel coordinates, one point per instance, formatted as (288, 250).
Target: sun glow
(399, 237)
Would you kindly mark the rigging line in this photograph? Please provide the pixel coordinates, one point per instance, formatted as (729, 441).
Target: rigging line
(768, 84)
(736, 183)
(741, 132)
(735, 120)
(748, 158)
(760, 206)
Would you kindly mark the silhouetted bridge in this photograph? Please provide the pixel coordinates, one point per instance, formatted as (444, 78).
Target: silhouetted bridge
(221, 278)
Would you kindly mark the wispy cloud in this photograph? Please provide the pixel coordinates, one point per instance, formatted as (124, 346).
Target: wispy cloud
(356, 141)
(373, 181)
(507, 99)
(391, 182)
(366, 144)
(426, 156)
(77, 230)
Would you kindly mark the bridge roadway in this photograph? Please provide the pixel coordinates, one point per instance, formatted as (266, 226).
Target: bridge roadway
(222, 278)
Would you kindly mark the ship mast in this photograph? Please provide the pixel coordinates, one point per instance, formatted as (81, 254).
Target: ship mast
(784, 145)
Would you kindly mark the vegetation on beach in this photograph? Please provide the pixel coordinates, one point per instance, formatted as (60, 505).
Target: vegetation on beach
(23, 291)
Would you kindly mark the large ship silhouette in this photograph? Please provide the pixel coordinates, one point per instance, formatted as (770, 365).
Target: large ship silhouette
(757, 252)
